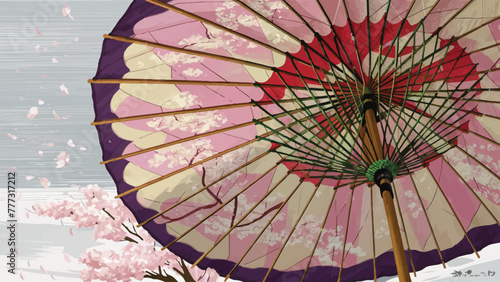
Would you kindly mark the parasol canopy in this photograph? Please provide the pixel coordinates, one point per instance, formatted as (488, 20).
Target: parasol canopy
(252, 136)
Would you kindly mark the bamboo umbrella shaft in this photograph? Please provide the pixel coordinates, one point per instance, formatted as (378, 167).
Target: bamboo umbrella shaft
(397, 242)
(372, 143)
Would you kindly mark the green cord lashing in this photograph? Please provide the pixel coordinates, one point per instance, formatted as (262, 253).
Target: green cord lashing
(381, 164)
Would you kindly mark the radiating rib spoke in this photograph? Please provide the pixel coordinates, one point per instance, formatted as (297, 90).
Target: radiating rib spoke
(345, 235)
(404, 229)
(204, 188)
(222, 205)
(471, 190)
(293, 228)
(428, 221)
(453, 211)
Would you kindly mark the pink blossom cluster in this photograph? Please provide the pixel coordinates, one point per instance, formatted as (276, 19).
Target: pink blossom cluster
(100, 212)
(111, 220)
(200, 275)
(129, 263)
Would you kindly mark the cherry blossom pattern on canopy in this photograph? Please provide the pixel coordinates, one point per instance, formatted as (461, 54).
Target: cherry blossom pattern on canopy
(232, 130)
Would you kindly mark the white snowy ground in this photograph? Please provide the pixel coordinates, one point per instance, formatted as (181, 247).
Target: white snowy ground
(48, 252)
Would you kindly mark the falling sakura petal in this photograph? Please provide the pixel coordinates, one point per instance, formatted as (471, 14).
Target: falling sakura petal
(45, 76)
(38, 31)
(50, 144)
(21, 274)
(37, 48)
(45, 182)
(43, 269)
(54, 60)
(27, 215)
(14, 137)
(56, 116)
(64, 89)
(66, 10)
(20, 194)
(76, 39)
(83, 149)
(62, 159)
(40, 102)
(70, 143)
(71, 231)
(54, 43)
(65, 55)
(29, 177)
(67, 258)
(40, 153)
(45, 49)
(33, 112)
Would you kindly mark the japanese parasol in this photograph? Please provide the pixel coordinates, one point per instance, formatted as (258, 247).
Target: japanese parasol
(249, 136)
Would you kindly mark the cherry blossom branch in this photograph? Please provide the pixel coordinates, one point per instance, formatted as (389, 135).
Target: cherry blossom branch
(126, 227)
(160, 276)
(185, 272)
(234, 211)
(261, 216)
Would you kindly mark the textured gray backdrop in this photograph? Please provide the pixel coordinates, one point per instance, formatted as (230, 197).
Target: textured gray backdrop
(28, 74)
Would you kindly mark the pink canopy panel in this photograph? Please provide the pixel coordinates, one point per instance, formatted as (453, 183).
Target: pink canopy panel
(233, 131)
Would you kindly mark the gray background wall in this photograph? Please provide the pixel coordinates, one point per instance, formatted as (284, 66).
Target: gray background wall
(27, 76)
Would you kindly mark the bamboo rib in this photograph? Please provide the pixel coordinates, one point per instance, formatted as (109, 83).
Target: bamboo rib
(221, 238)
(214, 24)
(204, 188)
(453, 210)
(228, 30)
(175, 81)
(190, 111)
(471, 190)
(176, 142)
(397, 55)
(320, 232)
(204, 54)
(379, 60)
(161, 146)
(180, 112)
(203, 82)
(345, 235)
(479, 27)
(484, 48)
(255, 13)
(355, 43)
(187, 51)
(265, 227)
(428, 221)
(222, 205)
(293, 229)
(268, 223)
(436, 32)
(404, 229)
(456, 14)
(137, 188)
(324, 56)
(480, 163)
(469, 131)
(452, 98)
